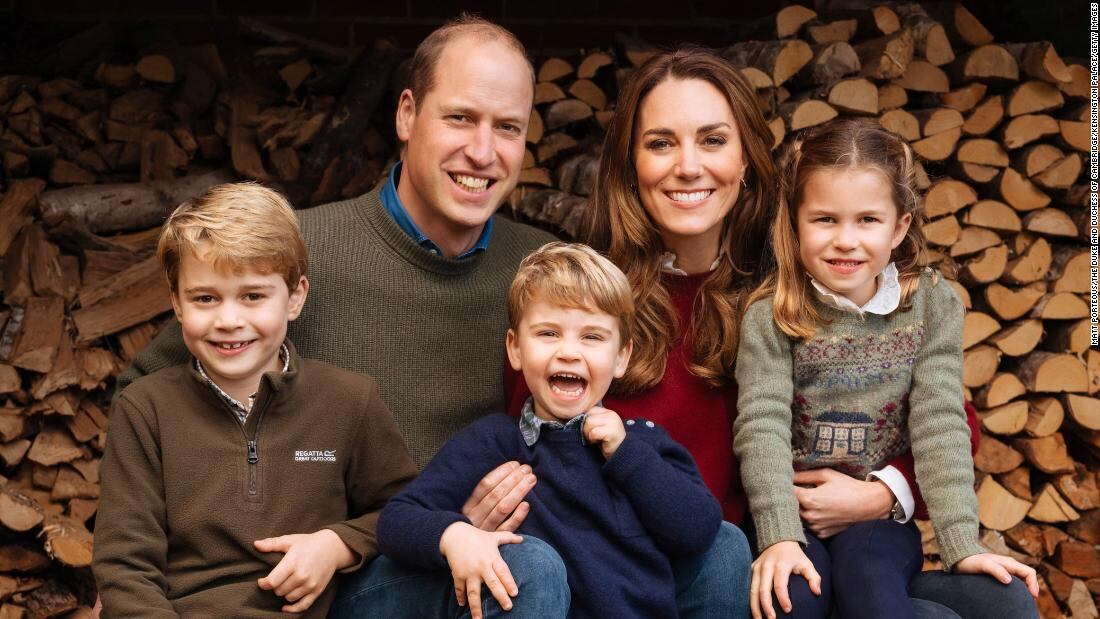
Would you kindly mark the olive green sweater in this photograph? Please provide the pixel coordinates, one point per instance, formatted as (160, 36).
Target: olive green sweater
(429, 329)
(186, 487)
(853, 397)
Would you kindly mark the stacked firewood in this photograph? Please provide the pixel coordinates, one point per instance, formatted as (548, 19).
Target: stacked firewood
(1002, 131)
(95, 155)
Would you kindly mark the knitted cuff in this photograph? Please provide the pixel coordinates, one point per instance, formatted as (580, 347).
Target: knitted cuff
(958, 543)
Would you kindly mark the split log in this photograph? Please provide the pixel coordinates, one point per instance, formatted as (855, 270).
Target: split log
(1072, 337)
(1046, 453)
(948, 196)
(965, 98)
(1032, 97)
(1005, 420)
(938, 147)
(979, 365)
(887, 57)
(1051, 507)
(1009, 303)
(1084, 411)
(1030, 266)
(554, 69)
(780, 60)
(830, 64)
(963, 29)
(789, 20)
(922, 76)
(977, 327)
(900, 122)
(1044, 416)
(1027, 128)
(995, 457)
(1002, 388)
(1019, 339)
(987, 267)
(1045, 372)
(1039, 60)
(998, 509)
(1080, 489)
(988, 64)
(994, 215)
(985, 117)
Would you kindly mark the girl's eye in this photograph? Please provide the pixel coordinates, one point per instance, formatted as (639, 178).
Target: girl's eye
(824, 220)
(594, 337)
(869, 219)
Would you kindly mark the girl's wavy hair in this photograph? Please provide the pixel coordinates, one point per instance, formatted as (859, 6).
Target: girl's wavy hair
(617, 223)
(842, 144)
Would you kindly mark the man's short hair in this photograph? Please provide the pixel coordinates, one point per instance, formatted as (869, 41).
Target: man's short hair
(235, 226)
(428, 53)
(572, 275)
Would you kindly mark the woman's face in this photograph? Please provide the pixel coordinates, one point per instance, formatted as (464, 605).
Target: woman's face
(689, 161)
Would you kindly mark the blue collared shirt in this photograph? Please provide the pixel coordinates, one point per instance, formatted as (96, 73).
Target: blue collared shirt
(393, 206)
(531, 426)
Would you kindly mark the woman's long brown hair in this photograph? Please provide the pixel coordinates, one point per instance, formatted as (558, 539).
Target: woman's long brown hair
(618, 223)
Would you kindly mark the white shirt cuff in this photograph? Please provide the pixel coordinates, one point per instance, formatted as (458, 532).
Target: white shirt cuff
(897, 484)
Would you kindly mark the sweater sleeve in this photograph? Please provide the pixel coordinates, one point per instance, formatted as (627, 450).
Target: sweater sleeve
(166, 349)
(662, 483)
(938, 429)
(131, 542)
(412, 523)
(379, 467)
(762, 431)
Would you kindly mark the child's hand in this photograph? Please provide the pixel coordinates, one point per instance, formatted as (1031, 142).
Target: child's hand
(306, 568)
(1001, 568)
(605, 427)
(771, 571)
(474, 558)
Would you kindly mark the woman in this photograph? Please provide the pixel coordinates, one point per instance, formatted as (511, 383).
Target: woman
(684, 198)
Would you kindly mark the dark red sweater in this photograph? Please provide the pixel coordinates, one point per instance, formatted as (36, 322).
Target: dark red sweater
(700, 417)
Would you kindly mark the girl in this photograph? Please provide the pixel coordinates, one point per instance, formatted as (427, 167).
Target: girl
(851, 355)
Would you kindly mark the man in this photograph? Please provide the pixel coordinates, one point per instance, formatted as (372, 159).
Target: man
(411, 280)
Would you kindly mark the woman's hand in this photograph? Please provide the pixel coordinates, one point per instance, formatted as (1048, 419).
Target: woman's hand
(771, 572)
(834, 501)
(497, 501)
(1001, 568)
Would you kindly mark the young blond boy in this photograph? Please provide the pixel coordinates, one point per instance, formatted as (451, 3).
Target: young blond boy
(238, 483)
(615, 500)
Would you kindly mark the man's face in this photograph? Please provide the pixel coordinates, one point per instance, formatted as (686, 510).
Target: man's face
(465, 140)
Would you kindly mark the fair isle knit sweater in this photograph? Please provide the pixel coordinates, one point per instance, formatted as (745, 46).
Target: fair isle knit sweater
(857, 394)
(429, 329)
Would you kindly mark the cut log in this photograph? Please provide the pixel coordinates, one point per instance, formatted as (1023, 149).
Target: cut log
(983, 152)
(1045, 372)
(1078, 86)
(998, 509)
(979, 365)
(1087, 528)
(995, 457)
(930, 38)
(1027, 538)
(1005, 420)
(1080, 489)
(1084, 411)
(68, 541)
(938, 120)
(1019, 192)
(1072, 337)
(18, 511)
(994, 215)
(1003, 388)
(965, 98)
(1039, 60)
(948, 196)
(1010, 304)
(54, 445)
(887, 57)
(789, 20)
(11, 453)
(1030, 266)
(548, 92)
(592, 63)
(555, 144)
(535, 128)
(567, 112)
(1062, 174)
(943, 231)
(1050, 507)
(891, 97)
(902, 123)
(1060, 306)
(987, 267)
(590, 93)
(985, 117)
(781, 60)
(923, 76)
(988, 64)
(977, 327)
(1032, 97)
(839, 31)
(855, 96)
(554, 69)
(829, 65)
(1046, 453)
(1036, 158)
(134, 296)
(806, 113)
(40, 336)
(963, 29)
(1075, 135)
(1023, 130)
(938, 147)
(1019, 339)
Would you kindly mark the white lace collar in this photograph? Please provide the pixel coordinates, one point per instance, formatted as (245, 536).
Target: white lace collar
(886, 299)
(668, 262)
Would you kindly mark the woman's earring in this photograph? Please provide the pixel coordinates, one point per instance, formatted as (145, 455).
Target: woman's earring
(743, 183)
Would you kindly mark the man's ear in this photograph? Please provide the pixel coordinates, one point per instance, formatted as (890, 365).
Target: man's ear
(297, 298)
(511, 344)
(406, 115)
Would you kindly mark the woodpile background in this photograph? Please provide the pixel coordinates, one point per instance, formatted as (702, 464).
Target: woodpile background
(119, 126)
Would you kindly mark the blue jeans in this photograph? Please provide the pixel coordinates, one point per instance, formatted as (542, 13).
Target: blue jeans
(970, 596)
(714, 584)
(387, 590)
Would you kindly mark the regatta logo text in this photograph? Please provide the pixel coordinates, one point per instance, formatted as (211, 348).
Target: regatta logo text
(315, 456)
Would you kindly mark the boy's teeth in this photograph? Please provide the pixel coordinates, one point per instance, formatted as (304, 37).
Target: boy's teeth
(684, 196)
(471, 183)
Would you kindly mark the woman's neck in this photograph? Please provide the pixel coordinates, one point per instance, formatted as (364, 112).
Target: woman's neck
(694, 254)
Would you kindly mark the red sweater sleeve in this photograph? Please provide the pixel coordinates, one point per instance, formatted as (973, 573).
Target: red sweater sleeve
(904, 462)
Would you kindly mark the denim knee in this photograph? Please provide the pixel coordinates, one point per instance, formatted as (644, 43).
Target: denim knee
(539, 573)
(716, 583)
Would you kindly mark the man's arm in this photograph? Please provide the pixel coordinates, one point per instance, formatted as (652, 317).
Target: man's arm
(131, 544)
(164, 351)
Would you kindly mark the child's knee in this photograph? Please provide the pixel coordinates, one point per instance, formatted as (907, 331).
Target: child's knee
(534, 560)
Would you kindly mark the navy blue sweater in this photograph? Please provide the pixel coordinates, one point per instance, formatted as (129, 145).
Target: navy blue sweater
(614, 523)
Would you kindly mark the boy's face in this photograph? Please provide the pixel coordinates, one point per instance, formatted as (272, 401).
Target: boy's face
(234, 323)
(568, 357)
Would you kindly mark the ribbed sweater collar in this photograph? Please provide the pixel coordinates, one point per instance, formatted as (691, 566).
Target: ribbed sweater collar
(373, 215)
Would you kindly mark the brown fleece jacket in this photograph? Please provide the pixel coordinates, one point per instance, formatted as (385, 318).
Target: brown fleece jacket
(186, 488)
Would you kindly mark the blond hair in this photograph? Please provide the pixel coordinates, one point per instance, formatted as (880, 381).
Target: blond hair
(234, 226)
(619, 224)
(842, 144)
(572, 275)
